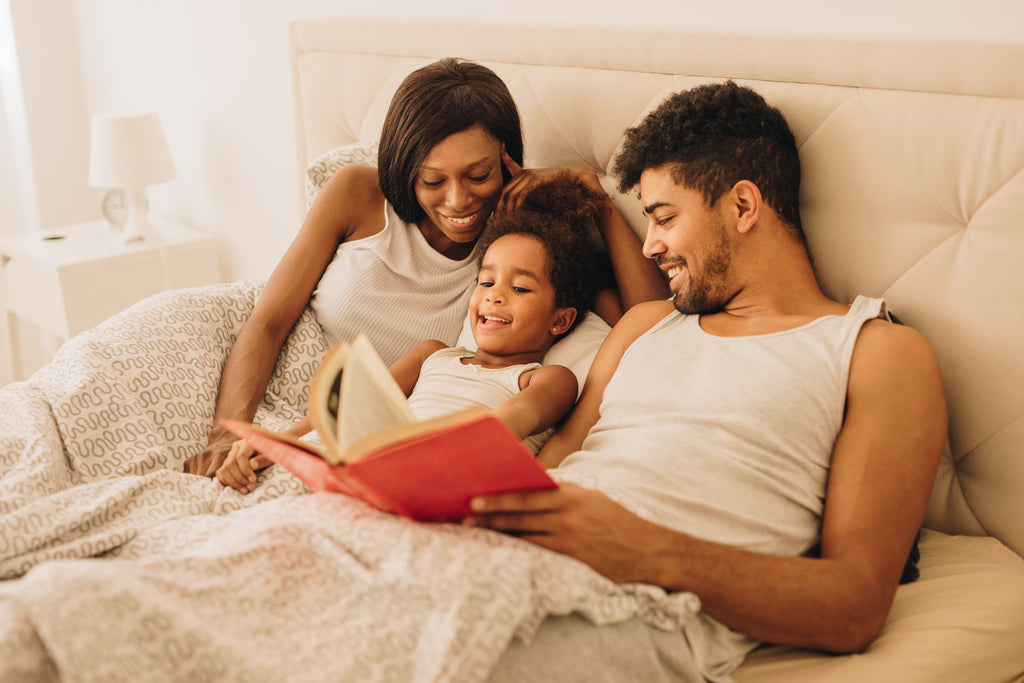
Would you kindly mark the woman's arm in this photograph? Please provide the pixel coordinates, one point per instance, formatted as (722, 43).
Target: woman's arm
(242, 462)
(349, 207)
(637, 276)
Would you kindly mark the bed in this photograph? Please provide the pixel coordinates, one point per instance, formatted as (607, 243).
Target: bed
(116, 566)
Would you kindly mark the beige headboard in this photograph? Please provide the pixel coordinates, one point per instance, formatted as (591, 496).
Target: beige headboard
(913, 159)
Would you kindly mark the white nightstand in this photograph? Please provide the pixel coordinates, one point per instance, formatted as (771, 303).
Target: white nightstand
(69, 279)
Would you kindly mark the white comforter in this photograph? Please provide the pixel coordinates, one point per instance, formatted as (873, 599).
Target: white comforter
(118, 566)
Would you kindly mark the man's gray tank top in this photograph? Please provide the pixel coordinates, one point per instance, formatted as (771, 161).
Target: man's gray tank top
(725, 438)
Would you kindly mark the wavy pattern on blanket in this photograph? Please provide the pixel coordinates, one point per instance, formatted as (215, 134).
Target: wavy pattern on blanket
(118, 566)
(92, 445)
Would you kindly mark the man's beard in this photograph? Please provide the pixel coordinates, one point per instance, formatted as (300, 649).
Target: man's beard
(707, 293)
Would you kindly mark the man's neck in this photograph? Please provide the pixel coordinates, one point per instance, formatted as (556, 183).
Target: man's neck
(778, 293)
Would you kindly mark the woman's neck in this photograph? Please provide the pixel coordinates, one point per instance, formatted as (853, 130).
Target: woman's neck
(443, 244)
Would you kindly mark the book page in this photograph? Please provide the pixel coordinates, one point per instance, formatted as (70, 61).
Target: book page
(325, 398)
(369, 398)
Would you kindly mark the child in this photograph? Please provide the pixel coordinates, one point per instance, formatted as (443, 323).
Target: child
(536, 282)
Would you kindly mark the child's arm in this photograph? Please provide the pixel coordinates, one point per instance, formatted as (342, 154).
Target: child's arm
(406, 370)
(239, 468)
(547, 395)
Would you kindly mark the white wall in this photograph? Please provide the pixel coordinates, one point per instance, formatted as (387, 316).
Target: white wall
(218, 73)
(46, 115)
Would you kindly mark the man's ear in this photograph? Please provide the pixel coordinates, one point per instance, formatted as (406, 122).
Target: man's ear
(564, 318)
(747, 205)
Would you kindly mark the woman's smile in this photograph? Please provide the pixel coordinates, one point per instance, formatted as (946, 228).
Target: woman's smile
(459, 185)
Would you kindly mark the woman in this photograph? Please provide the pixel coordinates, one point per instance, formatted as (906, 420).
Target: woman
(390, 251)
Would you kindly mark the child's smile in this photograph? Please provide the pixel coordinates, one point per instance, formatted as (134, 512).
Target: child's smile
(513, 306)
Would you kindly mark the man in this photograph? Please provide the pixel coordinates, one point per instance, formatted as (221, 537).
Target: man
(752, 441)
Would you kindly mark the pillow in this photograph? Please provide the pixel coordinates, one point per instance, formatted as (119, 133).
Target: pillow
(961, 621)
(575, 350)
(327, 164)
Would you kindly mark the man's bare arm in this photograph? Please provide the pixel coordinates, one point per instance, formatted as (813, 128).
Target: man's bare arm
(570, 435)
(883, 466)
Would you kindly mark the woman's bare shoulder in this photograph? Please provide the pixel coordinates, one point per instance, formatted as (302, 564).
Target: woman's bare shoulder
(351, 201)
(356, 183)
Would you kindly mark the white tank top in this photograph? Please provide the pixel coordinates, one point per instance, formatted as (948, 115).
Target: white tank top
(395, 288)
(725, 438)
(446, 384)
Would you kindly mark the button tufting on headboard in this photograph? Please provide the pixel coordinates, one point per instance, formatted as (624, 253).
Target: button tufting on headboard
(908, 194)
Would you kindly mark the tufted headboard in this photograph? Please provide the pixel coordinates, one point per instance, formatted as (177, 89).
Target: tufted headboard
(913, 160)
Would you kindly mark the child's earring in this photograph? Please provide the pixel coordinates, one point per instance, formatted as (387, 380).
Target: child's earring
(564, 321)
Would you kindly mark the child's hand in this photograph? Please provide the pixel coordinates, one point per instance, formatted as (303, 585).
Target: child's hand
(238, 470)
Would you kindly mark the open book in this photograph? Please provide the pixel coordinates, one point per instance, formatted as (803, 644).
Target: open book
(376, 450)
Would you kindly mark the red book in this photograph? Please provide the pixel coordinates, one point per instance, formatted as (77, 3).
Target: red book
(430, 476)
(376, 451)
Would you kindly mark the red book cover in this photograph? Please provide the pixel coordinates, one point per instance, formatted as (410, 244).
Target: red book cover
(430, 476)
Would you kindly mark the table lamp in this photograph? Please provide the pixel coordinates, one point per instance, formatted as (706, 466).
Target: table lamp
(129, 151)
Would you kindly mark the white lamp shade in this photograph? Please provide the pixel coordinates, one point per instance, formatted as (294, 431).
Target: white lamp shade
(128, 149)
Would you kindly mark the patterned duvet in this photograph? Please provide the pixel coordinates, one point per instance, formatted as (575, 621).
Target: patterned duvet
(116, 566)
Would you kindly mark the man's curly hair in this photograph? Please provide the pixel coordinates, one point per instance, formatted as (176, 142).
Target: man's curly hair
(713, 136)
(559, 213)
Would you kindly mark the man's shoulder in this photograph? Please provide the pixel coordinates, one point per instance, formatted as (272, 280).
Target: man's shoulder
(639, 319)
(633, 324)
(891, 334)
(647, 314)
(893, 351)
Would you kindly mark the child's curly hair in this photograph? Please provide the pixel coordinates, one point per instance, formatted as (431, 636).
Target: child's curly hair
(559, 213)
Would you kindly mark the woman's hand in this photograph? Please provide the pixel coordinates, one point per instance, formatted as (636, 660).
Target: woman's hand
(637, 278)
(206, 462)
(523, 180)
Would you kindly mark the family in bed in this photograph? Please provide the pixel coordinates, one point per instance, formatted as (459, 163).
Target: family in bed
(748, 440)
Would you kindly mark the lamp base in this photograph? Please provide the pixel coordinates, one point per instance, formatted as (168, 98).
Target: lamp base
(136, 226)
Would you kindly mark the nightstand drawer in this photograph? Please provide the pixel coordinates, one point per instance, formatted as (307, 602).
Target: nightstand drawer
(72, 298)
(77, 277)
(93, 292)
(32, 292)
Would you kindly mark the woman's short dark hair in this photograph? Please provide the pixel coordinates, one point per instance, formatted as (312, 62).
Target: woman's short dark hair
(433, 102)
(713, 136)
(559, 213)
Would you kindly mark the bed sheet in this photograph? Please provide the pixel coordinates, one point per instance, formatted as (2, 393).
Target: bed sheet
(116, 565)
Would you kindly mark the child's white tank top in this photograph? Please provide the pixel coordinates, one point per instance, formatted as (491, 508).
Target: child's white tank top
(446, 384)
